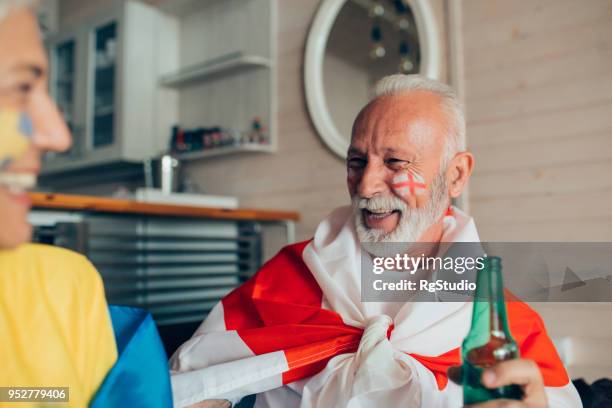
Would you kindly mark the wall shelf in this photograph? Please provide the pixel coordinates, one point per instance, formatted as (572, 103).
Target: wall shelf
(218, 67)
(220, 151)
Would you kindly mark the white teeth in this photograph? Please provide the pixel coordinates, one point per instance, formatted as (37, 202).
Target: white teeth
(379, 215)
(380, 211)
(18, 182)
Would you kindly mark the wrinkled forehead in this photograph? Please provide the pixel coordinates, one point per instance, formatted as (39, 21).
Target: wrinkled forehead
(414, 119)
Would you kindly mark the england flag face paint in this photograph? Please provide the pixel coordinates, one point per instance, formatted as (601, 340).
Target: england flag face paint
(409, 184)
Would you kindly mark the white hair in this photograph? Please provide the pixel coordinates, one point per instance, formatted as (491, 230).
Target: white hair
(399, 84)
(6, 6)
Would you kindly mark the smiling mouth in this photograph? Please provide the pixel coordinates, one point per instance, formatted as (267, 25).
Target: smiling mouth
(17, 183)
(378, 214)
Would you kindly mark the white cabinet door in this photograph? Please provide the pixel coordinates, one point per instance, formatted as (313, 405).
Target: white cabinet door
(104, 79)
(67, 84)
(103, 72)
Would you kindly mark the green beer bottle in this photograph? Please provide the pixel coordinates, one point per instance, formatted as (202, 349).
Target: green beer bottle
(489, 340)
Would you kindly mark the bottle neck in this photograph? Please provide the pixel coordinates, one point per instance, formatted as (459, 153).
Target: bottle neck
(490, 293)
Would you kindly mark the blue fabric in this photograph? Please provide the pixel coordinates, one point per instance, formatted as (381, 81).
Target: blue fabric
(140, 377)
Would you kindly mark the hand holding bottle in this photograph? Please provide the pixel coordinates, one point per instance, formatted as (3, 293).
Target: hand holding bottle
(521, 372)
(492, 373)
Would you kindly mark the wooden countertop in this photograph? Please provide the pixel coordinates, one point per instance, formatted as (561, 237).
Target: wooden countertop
(114, 205)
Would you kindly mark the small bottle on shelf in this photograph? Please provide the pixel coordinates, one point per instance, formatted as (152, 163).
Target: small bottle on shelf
(177, 140)
(257, 133)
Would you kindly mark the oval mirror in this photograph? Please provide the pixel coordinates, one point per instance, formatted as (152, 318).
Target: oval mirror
(354, 43)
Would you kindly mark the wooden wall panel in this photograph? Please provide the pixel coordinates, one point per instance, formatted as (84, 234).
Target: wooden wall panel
(539, 108)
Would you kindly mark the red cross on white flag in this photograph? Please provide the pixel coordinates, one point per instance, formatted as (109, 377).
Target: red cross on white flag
(409, 184)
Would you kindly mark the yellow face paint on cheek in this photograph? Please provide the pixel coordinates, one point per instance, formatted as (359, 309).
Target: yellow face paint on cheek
(409, 184)
(15, 135)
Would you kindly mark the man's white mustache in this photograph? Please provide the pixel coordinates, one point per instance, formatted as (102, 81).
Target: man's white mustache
(380, 204)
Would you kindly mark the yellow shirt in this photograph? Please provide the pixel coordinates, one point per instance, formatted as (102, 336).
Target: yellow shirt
(55, 330)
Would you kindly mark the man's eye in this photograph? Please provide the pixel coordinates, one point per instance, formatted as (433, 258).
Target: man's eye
(396, 162)
(356, 163)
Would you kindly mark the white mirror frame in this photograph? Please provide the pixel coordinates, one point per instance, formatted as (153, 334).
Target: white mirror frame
(315, 52)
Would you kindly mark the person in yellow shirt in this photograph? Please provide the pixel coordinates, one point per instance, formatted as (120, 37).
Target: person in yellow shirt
(56, 329)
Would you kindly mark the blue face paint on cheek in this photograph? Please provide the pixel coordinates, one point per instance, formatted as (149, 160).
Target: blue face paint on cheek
(16, 132)
(26, 127)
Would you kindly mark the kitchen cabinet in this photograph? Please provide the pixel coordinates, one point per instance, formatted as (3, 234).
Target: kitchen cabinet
(104, 79)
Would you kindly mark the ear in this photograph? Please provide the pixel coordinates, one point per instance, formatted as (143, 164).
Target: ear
(459, 172)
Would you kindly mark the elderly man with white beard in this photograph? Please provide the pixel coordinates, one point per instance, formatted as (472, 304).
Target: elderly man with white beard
(297, 333)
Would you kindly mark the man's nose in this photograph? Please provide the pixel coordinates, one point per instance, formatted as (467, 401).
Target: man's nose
(372, 182)
(50, 130)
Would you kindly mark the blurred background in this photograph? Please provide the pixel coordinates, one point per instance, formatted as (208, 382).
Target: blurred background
(212, 132)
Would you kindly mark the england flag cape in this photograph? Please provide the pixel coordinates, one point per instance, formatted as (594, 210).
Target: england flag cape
(297, 335)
